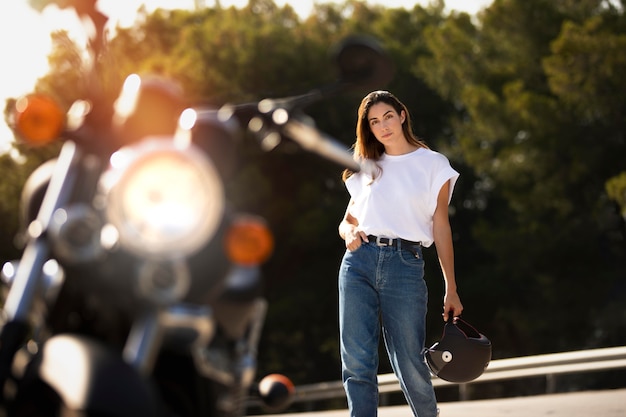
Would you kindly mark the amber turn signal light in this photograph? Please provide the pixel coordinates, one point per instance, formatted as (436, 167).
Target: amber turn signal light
(38, 119)
(249, 241)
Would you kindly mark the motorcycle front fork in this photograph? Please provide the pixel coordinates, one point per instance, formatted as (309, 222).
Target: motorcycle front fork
(26, 281)
(232, 365)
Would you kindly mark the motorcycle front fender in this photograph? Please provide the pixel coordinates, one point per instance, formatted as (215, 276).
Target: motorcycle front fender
(89, 377)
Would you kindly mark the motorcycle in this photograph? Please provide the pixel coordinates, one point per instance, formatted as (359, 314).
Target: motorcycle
(138, 291)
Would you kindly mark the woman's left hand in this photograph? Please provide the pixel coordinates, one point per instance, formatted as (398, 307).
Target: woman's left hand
(451, 305)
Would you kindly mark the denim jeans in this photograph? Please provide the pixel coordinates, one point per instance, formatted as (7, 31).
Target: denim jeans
(384, 287)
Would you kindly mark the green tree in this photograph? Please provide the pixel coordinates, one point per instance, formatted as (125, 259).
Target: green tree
(540, 172)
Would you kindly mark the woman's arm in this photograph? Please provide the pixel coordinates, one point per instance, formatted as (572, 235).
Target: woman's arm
(349, 230)
(445, 251)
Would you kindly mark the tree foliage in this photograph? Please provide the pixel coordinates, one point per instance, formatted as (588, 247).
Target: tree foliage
(538, 127)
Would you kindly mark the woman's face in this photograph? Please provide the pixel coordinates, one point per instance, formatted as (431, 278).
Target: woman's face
(386, 124)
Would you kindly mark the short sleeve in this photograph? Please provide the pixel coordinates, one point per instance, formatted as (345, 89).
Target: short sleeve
(443, 172)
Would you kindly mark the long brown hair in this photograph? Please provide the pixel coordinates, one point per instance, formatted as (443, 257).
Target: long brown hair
(366, 145)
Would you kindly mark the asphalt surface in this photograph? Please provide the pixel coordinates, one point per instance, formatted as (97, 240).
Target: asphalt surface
(609, 403)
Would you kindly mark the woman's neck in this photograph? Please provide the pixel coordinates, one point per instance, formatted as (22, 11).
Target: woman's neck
(400, 149)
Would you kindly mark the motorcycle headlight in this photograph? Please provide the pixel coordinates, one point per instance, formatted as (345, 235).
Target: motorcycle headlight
(165, 201)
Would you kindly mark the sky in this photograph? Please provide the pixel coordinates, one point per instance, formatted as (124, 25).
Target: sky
(25, 34)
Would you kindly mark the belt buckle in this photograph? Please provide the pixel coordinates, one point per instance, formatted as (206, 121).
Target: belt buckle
(379, 241)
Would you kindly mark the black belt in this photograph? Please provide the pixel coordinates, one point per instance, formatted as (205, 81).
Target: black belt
(386, 241)
(401, 243)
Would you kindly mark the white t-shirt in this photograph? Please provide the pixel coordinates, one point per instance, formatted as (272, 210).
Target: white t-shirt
(402, 199)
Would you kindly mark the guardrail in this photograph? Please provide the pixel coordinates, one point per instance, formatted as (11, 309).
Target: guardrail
(548, 365)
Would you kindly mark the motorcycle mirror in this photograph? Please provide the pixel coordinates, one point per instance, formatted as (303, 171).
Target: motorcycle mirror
(363, 62)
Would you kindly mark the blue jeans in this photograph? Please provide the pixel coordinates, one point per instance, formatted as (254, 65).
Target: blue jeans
(384, 284)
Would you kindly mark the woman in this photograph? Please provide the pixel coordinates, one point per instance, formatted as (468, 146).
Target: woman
(394, 211)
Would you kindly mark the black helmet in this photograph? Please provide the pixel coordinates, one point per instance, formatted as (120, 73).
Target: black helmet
(461, 355)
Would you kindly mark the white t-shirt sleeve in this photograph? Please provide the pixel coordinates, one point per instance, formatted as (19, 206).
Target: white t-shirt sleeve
(443, 172)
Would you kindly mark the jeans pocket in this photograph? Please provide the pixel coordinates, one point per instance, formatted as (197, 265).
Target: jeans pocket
(412, 256)
(357, 249)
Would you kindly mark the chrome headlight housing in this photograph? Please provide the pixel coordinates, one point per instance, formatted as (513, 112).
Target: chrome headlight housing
(164, 200)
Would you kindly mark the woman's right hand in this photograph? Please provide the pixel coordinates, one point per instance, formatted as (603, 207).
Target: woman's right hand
(350, 232)
(354, 237)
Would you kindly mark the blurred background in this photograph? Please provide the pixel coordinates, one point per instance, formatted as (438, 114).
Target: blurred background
(526, 98)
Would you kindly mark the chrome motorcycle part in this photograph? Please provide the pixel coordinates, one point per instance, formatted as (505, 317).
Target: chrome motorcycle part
(52, 279)
(212, 364)
(163, 282)
(192, 322)
(75, 233)
(9, 269)
(144, 341)
(36, 252)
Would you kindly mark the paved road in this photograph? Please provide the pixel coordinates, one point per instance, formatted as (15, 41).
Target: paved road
(609, 403)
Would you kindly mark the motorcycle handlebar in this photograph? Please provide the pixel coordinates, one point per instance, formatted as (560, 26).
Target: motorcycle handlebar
(276, 117)
(315, 141)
